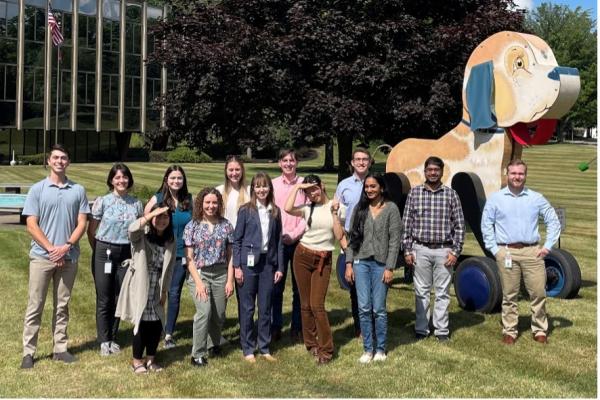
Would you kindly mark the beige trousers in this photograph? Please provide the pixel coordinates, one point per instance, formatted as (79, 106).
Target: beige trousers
(41, 272)
(525, 263)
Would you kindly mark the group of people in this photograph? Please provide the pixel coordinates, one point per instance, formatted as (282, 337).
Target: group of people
(240, 238)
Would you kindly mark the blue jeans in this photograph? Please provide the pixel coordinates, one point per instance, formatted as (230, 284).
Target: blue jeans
(177, 281)
(277, 297)
(372, 295)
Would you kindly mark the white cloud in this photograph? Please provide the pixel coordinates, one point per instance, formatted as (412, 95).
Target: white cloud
(527, 4)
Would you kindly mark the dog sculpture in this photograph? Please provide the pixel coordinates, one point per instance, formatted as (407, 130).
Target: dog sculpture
(513, 94)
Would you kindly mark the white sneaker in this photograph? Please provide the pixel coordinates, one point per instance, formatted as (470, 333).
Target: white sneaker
(114, 348)
(105, 349)
(380, 356)
(365, 358)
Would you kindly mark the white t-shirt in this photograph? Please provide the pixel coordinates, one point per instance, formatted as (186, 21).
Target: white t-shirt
(231, 208)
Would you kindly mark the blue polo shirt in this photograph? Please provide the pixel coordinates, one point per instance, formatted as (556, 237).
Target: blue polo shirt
(57, 209)
(348, 193)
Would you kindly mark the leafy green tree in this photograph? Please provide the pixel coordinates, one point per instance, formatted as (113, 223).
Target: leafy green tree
(348, 69)
(572, 35)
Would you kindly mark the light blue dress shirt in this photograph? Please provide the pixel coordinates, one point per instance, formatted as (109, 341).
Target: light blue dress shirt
(348, 193)
(514, 219)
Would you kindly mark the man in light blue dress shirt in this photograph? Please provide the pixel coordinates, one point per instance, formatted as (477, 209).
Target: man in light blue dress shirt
(510, 232)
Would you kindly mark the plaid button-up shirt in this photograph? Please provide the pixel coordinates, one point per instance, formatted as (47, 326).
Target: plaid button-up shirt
(433, 217)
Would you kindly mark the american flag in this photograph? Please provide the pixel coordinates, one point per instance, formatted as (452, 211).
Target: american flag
(57, 37)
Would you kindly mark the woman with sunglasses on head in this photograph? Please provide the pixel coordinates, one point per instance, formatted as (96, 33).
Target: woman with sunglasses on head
(174, 193)
(258, 265)
(107, 234)
(144, 289)
(235, 192)
(371, 257)
(312, 263)
(208, 240)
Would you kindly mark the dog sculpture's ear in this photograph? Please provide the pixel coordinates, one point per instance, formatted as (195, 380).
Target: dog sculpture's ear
(479, 96)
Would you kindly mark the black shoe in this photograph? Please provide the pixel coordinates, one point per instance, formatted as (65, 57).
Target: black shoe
(65, 357)
(420, 336)
(443, 338)
(276, 335)
(27, 362)
(199, 362)
(215, 351)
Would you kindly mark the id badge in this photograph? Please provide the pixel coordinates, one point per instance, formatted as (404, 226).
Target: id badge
(250, 260)
(507, 263)
(107, 267)
(183, 261)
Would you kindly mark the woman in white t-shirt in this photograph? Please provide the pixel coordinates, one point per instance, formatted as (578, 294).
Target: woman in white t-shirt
(235, 192)
(312, 263)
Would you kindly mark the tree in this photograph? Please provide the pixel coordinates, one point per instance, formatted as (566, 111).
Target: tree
(349, 69)
(572, 36)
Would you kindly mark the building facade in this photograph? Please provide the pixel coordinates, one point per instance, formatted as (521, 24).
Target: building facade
(106, 88)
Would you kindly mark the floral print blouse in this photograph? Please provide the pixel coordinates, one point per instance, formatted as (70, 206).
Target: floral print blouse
(115, 213)
(209, 248)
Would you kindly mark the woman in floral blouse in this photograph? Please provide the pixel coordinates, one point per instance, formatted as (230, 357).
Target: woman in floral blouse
(208, 239)
(107, 234)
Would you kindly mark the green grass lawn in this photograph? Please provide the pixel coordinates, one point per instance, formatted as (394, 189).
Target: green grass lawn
(473, 364)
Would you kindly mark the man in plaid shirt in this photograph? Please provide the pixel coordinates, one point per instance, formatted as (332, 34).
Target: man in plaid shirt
(434, 232)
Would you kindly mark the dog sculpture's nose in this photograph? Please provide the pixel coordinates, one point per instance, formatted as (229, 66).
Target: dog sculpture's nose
(558, 71)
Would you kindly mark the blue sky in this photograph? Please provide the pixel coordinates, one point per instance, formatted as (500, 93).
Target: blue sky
(585, 4)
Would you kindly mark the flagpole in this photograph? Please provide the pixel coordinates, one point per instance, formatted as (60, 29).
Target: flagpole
(57, 93)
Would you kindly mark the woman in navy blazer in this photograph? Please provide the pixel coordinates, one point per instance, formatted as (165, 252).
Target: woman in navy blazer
(258, 264)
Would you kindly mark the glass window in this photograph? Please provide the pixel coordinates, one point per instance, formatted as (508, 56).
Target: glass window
(87, 60)
(12, 20)
(111, 9)
(11, 79)
(38, 84)
(65, 88)
(91, 32)
(7, 113)
(33, 115)
(105, 90)
(135, 92)
(8, 50)
(40, 25)
(63, 5)
(34, 54)
(87, 7)
(91, 89)
(2, 19)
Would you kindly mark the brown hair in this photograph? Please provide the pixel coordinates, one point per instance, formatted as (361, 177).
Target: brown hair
(262, 179)
(183, 196)
(516, 162)
(58, 147)
(198, 213)
(243, 197)
(286, 152)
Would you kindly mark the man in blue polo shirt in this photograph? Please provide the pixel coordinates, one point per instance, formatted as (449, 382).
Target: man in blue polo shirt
(56, 209)
(510, 231)
(348, 193)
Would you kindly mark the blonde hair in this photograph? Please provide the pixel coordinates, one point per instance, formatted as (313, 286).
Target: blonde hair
(243, 197)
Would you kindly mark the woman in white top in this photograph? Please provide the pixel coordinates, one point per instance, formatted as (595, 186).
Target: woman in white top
(312, 263)
(235, 192)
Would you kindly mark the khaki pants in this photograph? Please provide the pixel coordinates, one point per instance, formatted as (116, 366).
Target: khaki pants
(524, 262)
(41, 272)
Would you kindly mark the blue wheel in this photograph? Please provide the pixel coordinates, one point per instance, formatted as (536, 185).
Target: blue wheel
(563, 276)
(477, 285)
(341, 270)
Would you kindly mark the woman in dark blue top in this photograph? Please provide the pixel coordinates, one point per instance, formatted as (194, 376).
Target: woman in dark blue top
(174, 193)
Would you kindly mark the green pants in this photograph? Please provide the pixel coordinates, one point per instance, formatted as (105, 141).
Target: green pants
(210, 315)
(524, 262)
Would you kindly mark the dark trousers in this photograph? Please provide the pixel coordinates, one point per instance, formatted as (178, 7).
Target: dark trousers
(108, 287)
(278, 289)
(353, 300)
(177, 281)
(257, 288)
(147, 338)
(313, 270)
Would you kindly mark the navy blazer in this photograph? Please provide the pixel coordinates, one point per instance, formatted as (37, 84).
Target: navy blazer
(247, 238)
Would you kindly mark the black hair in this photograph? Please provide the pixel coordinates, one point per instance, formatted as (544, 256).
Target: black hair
(113, 171)
(58, 147)
(435, 161)
(312, 178)
(183, 196)
(361, 211)
(167, 235)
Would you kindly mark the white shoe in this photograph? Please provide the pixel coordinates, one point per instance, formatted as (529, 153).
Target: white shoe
(365, 358)
(380, 356)
(105, 349)
(114, 348)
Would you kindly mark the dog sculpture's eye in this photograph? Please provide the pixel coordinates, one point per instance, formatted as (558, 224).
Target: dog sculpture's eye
(518, 64)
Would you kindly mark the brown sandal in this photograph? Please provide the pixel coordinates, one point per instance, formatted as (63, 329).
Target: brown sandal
(139, 369)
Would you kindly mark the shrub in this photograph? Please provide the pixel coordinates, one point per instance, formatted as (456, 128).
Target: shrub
(186, 155)
(158, 156)
(33, 159)
(142, 192)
